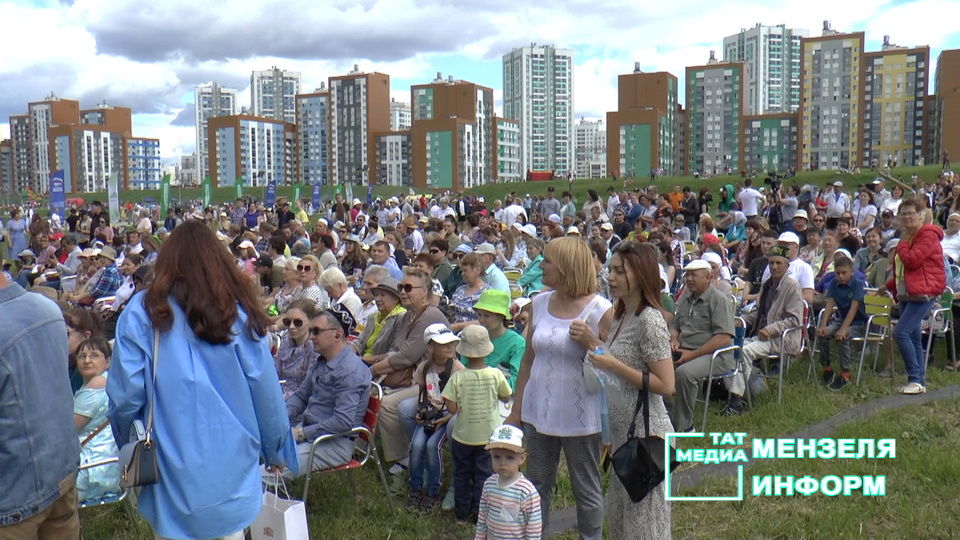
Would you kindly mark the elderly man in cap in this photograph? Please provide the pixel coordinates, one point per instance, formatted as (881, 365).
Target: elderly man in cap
(801, 224)
(779, 307)
(838, 202)
(799, 270)
(553, 228)
(608, 236)
(703, 323)
(492, 275)
(880, 194)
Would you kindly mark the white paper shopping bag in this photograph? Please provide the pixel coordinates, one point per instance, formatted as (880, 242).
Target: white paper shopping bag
(280, 519)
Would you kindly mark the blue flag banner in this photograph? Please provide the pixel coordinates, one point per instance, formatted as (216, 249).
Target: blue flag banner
(270, 198)
(113, 196)
(316, 196)
(370, 194)
(57, 193)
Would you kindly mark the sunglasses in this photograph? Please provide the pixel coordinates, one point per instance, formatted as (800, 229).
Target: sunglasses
(407, 288)
(459, 255)
(296, 322)
(318, 331)
(304, 268)
(434, 251)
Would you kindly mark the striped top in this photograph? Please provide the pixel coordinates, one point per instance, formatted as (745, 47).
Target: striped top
(510, 511)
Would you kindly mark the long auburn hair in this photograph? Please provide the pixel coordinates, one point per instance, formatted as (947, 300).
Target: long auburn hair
(641, 261)
(194, 268)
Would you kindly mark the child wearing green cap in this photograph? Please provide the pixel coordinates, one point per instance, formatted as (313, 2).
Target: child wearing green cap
(493, 312)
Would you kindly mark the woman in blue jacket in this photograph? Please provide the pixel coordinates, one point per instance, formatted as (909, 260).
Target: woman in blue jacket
(532, 278)
(219, 409)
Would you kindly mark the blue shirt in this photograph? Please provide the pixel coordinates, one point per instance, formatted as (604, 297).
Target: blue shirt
(532, 278)
(495, 279)
(393, 269)
(219, 409)
(844, 295)
(333, 398)
(108, 283)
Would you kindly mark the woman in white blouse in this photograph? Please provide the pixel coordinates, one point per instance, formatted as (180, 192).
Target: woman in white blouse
(864, 212)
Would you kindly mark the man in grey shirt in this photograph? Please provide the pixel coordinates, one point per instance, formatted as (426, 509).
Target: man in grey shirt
(550, 205)
(703, 323)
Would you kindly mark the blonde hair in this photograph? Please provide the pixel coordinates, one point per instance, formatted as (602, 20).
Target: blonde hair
(331, 277)
(292, 263)
(575, 262)
(316, 265)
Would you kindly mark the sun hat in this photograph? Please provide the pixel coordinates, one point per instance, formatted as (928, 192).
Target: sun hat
(712, 257)
(26, 253)
(801, 214)
(573, 230)
(494, 301)
(246, 244)
(108, 252)
(390, 285)
(474, 342)
(842, 253)
(555, 219)
(440, 334)
(507, 437)
(698, 264)
(464, 248)
(530, 230)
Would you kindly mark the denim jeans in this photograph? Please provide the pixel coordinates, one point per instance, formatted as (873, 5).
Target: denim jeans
(426, 452)
(855, 330)
(471, 468)
(907, 335)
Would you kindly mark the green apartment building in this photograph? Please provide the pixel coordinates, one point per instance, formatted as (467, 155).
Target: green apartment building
(715, 106)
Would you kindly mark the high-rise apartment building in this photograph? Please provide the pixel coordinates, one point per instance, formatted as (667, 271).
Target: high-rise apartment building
(212, 101)
(143, 163)
(6, 168)
(538, 93)
(771, 59)
(641, 133)
(715, 95)
(590, 149)
(769, 143)
(895, 84)
(187, 173)
(313, 136)
(946, 145)
(273, 94)
(359, 106)
(400, 116)
(20, 137)
(831, 101)
(391, 162)
(41, 116)
(453, 134)
(507, 157)
(251, 150)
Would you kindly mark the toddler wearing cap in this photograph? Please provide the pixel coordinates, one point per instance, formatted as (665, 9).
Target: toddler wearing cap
(510, 504)
(472, 395)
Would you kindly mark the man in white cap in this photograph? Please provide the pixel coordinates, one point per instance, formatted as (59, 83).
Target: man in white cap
(553, 228)
(703, 323)
(801, 222)
(610, 237)
(838, 202)
(799, 270)
(880, 195)
(492, 275)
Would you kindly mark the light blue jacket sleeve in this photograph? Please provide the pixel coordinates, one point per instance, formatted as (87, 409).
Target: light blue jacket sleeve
(276, 439)
(125, 381)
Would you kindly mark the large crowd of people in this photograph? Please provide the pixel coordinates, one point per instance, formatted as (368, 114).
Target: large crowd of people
(273, 322)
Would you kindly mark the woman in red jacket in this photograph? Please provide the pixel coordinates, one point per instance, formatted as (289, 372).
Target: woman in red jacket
(918, 279)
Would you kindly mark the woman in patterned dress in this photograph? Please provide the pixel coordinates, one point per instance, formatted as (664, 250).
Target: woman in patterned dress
(638, 341)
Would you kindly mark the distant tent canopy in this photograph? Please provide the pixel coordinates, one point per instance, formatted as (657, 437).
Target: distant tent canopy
(539, 176)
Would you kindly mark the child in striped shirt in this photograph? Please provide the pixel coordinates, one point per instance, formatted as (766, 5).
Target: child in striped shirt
(510, 504)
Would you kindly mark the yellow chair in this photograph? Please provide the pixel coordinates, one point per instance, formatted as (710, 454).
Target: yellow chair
(513, 274)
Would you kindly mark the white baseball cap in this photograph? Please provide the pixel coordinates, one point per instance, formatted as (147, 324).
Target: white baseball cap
(507, 437)
(554, 219)
(607, 226)
(712, 257)
(789, 238)
(439, 333)
(573, 230)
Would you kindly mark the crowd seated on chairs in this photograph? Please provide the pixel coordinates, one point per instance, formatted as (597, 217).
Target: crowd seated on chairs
(350, 301)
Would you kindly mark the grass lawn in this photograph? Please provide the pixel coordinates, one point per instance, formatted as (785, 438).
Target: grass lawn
(926, 469)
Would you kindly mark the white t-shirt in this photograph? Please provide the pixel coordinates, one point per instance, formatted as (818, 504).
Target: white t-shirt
(799, 271)
(861, 213)
(951, 246)
(750, 200)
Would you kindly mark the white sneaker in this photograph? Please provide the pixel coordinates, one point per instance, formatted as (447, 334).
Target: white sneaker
(913, 389)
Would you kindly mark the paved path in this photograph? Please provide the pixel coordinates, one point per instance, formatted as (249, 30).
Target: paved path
(566, 518)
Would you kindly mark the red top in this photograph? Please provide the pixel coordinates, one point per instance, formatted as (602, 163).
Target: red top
(922, 259)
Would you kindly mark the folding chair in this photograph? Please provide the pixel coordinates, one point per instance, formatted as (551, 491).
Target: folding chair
(738, 368)
(513, 274)
(364, 450)
(110, 499)
(878, 309)
(938, 323)
(782, 355)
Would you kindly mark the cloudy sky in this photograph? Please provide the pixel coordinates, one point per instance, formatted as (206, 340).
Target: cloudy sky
(150, 55)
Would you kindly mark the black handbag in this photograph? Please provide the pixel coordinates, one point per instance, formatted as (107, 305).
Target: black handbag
(639, 462)
(138, 458)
